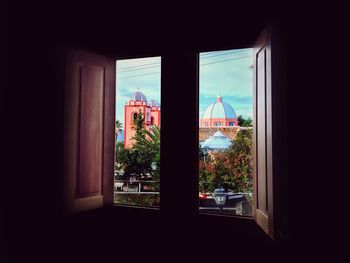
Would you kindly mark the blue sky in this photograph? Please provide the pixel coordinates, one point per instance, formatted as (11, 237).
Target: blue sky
(227, 73)
(141, 74)
(224, 72)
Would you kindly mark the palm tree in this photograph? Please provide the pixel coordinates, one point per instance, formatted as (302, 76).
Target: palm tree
(148, 139)
(118, 127)
(147, 145)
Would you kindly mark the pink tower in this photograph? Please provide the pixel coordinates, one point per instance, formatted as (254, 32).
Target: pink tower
(138, 103)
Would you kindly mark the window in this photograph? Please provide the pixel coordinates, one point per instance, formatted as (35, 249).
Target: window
(93, 117)
(134, 117)
(259, 200)
(137, 152)
(226, 158)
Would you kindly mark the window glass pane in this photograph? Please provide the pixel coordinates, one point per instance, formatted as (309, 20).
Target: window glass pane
(225, 132)
(137, 144)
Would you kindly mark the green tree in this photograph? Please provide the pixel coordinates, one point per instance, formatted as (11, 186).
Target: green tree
(244, 122)
(139, 121)
(240, 161)
(119, 151)
(146, 150)
(231, 169)
(118, 145)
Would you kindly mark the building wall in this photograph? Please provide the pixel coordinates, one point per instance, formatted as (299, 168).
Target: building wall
(155, 113)
(129, 126)
(225, 121)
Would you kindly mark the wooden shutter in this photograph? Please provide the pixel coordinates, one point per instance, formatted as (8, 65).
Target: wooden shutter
(89, 131)
(263, 179)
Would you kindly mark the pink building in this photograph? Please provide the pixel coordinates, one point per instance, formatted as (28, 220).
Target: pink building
(151, 112)
(219, 114)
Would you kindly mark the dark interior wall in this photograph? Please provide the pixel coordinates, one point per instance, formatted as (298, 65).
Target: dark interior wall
(34, 222)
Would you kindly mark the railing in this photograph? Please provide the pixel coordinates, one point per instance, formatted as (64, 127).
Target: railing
(247, 194)
(132, 186)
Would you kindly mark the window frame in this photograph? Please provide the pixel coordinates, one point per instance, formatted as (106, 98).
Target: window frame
(206, 213)
(163, 95)
(275, 156)
(133, 114)
(189, 61)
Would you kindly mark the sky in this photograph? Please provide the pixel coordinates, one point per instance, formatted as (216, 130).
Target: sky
(141, 74)
(227, 73)
(221, 72)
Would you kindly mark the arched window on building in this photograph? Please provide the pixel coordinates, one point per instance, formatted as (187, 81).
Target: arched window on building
(152, 120)
(218, 123)
(134, 116)
(231, 123)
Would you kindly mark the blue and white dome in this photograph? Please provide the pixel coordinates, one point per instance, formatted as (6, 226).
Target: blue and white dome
(217, 142)
(219, 110)
(138, 96)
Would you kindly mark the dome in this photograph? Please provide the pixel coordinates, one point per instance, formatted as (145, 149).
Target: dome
(154, 103)
(217, 142)
(138, 96)
(219, 110)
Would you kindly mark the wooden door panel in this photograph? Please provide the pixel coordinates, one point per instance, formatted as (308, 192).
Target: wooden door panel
(89, 177)
(261, 132)
(89, 130)
(263, 185)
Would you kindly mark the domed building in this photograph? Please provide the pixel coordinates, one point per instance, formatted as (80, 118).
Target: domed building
(151, 113)
(219, 114)
(154, 103)
(138, 96)
(217, 142)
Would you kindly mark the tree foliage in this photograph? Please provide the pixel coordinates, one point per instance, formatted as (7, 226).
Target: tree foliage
(241, 161)
(137, 160)
(231, 169)
(245, 122)
(118, 126)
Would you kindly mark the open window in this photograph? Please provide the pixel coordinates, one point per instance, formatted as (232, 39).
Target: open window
(90, 132)
(111, 147)
(235, 133)
(137, 147)
(226, 152)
